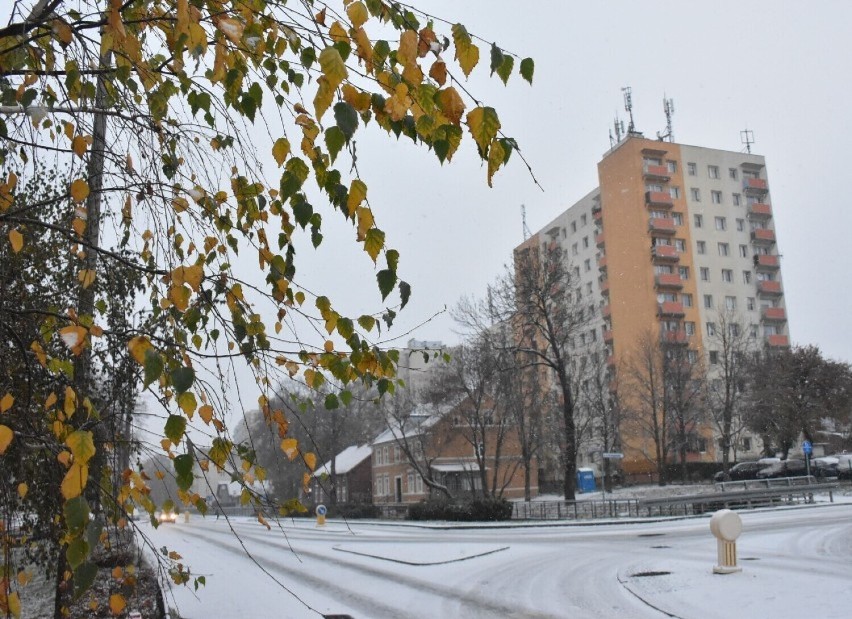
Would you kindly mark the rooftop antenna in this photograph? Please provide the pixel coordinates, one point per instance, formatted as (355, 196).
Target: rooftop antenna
(628, 106)
(747, 138)
(618, 125)
(668, 108)
(527, 232)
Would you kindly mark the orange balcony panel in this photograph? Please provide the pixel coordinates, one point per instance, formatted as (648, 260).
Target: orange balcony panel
(766, 262)
(661, 225)
(755, 185)
(759, 209)
(602, 263)
(763, 235)
(607, 336)
(610, 360)
(670, 308)
(669, 280)
(665, 253)
(769, 288)
(659, 198)
(605, 286)
(597, 215)
(781, 341)
(774, 314)
(600, 240)
(606, 311)
(656, 171)
(674, 337)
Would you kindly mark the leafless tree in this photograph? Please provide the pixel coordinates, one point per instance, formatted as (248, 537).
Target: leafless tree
(599, 400)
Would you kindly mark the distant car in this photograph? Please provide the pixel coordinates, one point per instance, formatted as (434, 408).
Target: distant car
(167, 517)
(739, 472)
(784, 468)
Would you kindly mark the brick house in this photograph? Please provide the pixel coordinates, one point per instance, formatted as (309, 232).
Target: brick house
(352, 479)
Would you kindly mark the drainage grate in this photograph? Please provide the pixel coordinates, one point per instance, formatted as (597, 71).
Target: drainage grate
(650, 535)
(661, 546)
(749, 559)
(647, 574)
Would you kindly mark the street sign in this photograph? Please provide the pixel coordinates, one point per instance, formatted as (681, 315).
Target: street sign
(807, 448)
(612, 455)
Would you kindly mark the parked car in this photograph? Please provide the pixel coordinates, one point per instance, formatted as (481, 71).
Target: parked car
(784, 468)
(826, 466)
(739, 472)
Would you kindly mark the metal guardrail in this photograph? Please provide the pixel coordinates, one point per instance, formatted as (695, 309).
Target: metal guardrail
(575, 510)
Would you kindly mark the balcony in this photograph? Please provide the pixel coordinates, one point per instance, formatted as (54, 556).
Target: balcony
(597, 216)
(765, 262)
(674, 338)
(607, 336)
(774, 314)
(606, 311)
(778, 341)
(665, 253)
(661, 225)
(769, 289)
(670, 308)
(604, 284)
(763, 236)
(755, 186)
(599, 239)
(656, 172)
(759, 210)
(658, 199)
(602, 263)
(668, 280)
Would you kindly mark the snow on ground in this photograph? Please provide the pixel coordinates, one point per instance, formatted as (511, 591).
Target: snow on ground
(795, 563)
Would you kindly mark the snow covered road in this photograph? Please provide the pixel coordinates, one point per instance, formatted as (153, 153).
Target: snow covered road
(796, 562)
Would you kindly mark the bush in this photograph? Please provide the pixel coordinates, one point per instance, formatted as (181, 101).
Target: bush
(696, 471)
(353, 511)
(477, 510)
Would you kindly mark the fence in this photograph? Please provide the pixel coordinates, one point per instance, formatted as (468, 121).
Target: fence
(575, 510)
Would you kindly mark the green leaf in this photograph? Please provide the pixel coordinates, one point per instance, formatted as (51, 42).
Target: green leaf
(77, 552)
(527, 69)
(505, 68)
(302, 210)
(346, 118)
(183, 470)
(182, 378)
(153, 367)
(93, 533)
(484, 125)
(220, 451)
(373, 243)
(331, 402)
(387, 280)
(76, 512)
(496, 58)
(84, 576)
(346, 397)
(367, 322)
(175, 428)
(308, 56)
(334, 141)
(332, 66)
(404, 293)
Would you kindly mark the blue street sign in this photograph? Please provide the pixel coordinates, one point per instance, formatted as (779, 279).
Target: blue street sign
(807, 448)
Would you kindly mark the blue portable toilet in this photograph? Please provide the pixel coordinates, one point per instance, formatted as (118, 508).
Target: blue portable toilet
(586, 480)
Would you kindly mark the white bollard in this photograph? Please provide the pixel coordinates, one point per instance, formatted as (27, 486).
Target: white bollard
(726, 526)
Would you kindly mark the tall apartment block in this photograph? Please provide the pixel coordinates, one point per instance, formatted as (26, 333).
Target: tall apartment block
(675, 239)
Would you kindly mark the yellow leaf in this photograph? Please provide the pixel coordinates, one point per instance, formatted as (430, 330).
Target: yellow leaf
(116, 603)
(467, 54)
(117, 572)
(74, 337)
(188, 275)
(365, 221)
(86, 277)
(166, 444)
(364, 48)
(64, 458)
(451, 104)
(50, 401)
(484, 126)
(311, 460)
(206, 413)
(82, 445)
(6, 402)
(79, 226)
(338, 33)
(496, 156)
(39, 352)
(13, 603)
(187, 403)
(333, 67)
(179, 295)
(289, 446)
(280, 150)
(74, 481)
(438, 72)
(357, 194)
(6, 435)
(138, 345)
(70, 403)
(323, 97)
(79, 145)
(23, 488)
(357, 13)
(180, 204)
(24, 577)
(16, 239)
(232, 28)
(62, 31)
(407, 52)
(79, 190)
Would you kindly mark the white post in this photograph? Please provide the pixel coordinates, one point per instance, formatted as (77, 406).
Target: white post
(726, 527)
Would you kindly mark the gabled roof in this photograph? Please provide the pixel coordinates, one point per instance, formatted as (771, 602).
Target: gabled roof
(346, 460)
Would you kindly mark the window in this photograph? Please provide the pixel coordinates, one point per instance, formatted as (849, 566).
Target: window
(746, 277)
(583, 220)
(701, 247)
(653, 187)
(587, 265)
(674, 192)
(574, 250)
(678, 219)
(692, 356)
(721, 223)
(714, 357)
(385, 455)
(409, 486)
(689, 328)
(750, 304)
(713, 171)
(743, 251)
(711, 329)
(686, 299)
(593, 336)
(576, 272)
(396, 453)
(378, 456)
(585, 242)
(695, 194)
(588, 287)
(753, 331)
(724, 250)
(379, 486)
(698, 220)
(731, 303)
(732, 174)
(746, 441)
(716, 197)
(740, 225)
(737, 199)
(708, 301)
(727, 275)
(691, 169)
(683, 272)
(573, 226)
(733, 329)
(680, 245)
(672, 166)
(704, 273)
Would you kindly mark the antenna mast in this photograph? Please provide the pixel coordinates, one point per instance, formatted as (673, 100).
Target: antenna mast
(668, 108)
(628, 107)
(527, 233)
(618, 125)
(747, 138)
